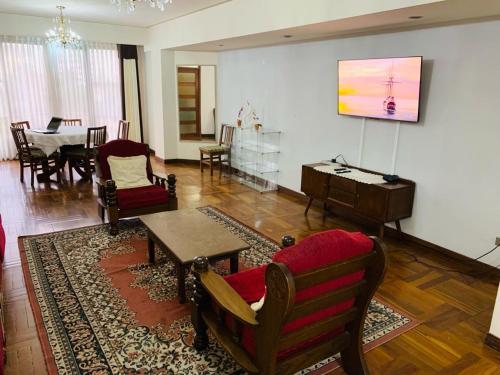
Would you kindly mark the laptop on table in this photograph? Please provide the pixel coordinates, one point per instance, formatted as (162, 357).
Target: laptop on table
(52, 128)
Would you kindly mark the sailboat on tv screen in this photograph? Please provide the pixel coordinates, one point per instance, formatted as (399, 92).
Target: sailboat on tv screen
(389, 103)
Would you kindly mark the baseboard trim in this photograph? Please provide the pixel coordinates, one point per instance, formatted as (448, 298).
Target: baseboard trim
(472, 264)
(157, 158)
(492, 341)
(183, 161)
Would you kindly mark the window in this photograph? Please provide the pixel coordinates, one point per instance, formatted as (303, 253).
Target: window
(38, 81)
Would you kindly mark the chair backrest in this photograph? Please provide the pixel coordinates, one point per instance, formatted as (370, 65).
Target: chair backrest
(123, 127)
(95, 137)
(318, 290)
(226, 135)
(121, 148)
(72, 122)
(21, 124)
(22, 145)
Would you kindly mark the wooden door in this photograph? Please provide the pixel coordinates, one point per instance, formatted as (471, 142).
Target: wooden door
(188, 88)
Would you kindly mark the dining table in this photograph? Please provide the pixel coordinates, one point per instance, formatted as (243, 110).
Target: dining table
(49, 143)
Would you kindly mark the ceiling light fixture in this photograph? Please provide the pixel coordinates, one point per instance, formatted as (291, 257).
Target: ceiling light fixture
(131, 4)
(61, 33)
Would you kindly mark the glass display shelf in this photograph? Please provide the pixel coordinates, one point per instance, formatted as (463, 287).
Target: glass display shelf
(255, 154)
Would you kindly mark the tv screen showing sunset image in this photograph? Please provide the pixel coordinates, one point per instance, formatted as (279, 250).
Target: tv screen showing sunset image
(380, 88)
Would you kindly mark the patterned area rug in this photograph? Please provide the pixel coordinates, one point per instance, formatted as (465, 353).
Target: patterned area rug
(101, 308)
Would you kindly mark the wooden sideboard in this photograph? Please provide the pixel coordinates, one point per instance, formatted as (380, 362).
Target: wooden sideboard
(376, 203)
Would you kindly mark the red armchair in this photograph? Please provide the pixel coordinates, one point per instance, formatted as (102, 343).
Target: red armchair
(316, 298)
(121, 203)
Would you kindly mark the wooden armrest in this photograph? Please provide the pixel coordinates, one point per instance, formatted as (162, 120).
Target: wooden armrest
(159, 175)
(101, 181)
(227, 298)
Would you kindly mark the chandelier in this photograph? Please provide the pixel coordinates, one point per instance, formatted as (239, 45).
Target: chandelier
(61, 33)
(160, 4)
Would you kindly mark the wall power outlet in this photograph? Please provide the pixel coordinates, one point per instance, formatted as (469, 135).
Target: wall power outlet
(497, 241)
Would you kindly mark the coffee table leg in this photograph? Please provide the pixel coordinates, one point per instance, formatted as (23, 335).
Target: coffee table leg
(234, 263)
(151, 250)
(181, 283)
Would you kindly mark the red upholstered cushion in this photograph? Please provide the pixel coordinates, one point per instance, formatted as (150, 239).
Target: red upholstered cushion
(121, 148)
(2, 240)
(313, 252)
(249, 284)
(323, 248)
(317, 251)
(141, 197)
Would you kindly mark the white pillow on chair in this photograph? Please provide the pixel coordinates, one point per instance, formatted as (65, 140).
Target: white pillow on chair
(129, 172)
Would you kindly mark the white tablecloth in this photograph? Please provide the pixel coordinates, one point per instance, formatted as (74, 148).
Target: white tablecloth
(66, 135)
(355, 174)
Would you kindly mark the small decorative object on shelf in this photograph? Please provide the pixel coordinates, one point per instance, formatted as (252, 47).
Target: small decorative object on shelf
(247, 116)
(240, 114)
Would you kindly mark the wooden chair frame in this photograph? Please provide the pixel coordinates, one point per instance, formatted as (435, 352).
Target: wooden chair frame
(72, 122)
(95, 137)
(26, 157)
(225, 140)
(107, 199)
(21, 125)
(123, 129)
(280, 307)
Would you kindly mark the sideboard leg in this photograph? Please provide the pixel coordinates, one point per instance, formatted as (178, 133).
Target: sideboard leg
(308, 205)
(381, 230)
(398, 227)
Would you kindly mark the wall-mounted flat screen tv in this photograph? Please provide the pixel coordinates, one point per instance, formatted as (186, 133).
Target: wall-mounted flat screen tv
(380, 88)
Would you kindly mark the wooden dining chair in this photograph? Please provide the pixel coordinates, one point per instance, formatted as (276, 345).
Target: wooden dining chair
(21, 125)
(123, 128)
(72, 122)
(216, 153)
(32, 157)
(82, 159)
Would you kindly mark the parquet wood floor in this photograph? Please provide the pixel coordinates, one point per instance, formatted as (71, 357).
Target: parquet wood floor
(455, 310)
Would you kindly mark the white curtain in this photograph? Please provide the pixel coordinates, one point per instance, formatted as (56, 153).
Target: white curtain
(38, 81)
(131, 99)
(24, 87)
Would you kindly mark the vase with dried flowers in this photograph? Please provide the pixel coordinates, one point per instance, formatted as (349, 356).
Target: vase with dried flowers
(238, 119)
(256, 122)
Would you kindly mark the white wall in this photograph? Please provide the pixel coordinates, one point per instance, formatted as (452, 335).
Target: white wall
(207, 99)
(161, 67)
(13, 24)
(452, 154)
(155, 130)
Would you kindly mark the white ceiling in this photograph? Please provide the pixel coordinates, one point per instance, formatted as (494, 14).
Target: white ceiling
(433, 14)
(103, 11)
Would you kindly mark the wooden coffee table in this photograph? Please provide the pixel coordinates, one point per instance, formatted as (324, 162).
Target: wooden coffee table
(186, 234)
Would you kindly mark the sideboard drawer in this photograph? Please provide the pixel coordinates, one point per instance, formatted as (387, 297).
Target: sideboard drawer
(342, 196)
(343, 183)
